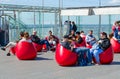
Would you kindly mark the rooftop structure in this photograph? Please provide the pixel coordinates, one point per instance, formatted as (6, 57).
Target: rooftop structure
(16, 18)
(25, 8)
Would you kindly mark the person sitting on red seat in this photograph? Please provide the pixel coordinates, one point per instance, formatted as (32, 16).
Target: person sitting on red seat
(13, 44)
(101, 45)
(55, 38)
(116, 31)
(78, 38)
(52, 41)
(82, 34)
(26, 38)
(90, 39)
(37, 40)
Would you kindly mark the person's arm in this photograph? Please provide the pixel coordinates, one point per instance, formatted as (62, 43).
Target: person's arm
(35, 38)
(80, 40)
(66, 45)
(87, 39)
(105, 44)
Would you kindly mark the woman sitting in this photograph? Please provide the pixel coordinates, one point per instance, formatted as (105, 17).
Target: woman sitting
(101, 45)
(26, 38)
(12, 44)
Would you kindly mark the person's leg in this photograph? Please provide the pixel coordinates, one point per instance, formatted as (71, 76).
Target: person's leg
(76, 50)
(47, 43)
(88, 57)
(118, 38)
(10, 44)
(8, 54)
(82, 60)
(115, 34)
(96, 55)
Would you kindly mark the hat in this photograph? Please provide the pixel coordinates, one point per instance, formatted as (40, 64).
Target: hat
(103, 33)
(65, 36)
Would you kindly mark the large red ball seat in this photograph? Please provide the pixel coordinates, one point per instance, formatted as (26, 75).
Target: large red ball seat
(106, 57)
(115, 45)
(38, 47)
(65, 57)
(25, 51)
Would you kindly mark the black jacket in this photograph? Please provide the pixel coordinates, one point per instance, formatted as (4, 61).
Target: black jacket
(80, 40)
(35, 38)
(74, 27)
(66, 45)
(105, 43)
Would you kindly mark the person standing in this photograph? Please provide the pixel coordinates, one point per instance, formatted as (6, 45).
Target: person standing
(73, 26)
(65, 28)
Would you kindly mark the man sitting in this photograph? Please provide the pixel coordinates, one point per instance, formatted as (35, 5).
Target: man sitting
(101, 45)
(37, 40)
(55, 38)
(90, 39)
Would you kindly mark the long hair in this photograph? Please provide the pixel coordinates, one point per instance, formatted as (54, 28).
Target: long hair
(26, 35)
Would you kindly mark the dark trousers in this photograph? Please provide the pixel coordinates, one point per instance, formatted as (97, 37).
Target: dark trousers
(45, 42)
(84, 56)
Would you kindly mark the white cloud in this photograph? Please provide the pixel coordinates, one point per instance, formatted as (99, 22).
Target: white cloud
(115, 2)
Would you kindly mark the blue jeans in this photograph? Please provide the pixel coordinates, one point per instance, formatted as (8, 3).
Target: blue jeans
(84, 56)
(95, 51)
(46, 42)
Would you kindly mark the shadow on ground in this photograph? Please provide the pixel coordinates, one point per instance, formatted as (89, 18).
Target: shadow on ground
(41, 58)
(115, 63)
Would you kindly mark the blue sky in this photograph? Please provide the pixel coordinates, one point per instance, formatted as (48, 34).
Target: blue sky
(66, 3)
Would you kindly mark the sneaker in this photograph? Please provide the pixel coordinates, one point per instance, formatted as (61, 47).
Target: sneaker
(3, 49)
(8, 54)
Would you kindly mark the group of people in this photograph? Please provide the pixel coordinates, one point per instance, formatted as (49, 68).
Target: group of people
(68, 26)
(69, 42)
(71, 38)
(98, 46)
(50, 41)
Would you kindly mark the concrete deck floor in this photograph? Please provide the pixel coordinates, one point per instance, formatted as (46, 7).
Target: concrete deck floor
(45, 67)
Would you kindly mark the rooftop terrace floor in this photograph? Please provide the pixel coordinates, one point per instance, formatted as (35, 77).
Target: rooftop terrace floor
(45, 67)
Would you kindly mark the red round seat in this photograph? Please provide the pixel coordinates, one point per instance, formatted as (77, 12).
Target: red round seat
(25, 51)
(65, 57)
(38, 47)
(106, 57)
(115, 45)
